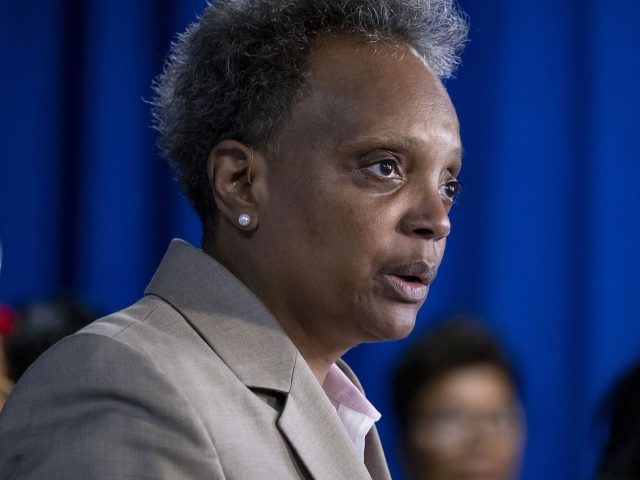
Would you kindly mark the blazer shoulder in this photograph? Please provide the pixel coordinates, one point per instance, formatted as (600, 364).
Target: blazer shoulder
(143, 312)
(153, 328)
(94, 407)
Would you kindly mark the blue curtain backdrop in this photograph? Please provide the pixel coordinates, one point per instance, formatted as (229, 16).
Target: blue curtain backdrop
(546, 239)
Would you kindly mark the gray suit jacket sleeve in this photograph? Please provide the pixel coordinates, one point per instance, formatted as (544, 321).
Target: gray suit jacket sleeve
(97, 409)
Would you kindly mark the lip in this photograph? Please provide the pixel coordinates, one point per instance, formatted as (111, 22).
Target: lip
(406, 291)
(410, 281)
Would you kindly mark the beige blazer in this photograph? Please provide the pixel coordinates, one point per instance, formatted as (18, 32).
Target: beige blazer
(195, 381)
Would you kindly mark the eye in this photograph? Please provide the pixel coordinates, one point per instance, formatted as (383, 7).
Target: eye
(451, 190)
(387, 168)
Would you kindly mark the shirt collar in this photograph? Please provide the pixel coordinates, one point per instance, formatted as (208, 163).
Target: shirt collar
(356, 413)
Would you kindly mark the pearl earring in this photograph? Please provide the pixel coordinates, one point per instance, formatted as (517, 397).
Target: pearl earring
(244, 219)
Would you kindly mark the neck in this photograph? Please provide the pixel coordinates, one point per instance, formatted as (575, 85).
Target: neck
(318, 359)
(311, 345)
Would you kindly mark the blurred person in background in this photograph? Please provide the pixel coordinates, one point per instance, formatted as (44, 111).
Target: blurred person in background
(7, 326)
(321, 151)
(458, 406)
(39, 325)
(27, 332)
(620, 458)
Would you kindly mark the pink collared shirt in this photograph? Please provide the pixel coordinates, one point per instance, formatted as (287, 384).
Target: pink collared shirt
(355, 411)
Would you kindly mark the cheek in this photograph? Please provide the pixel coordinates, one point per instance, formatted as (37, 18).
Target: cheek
(345, 226)
(346, 231)
(435, 453)
(440, 247)
(510, 451)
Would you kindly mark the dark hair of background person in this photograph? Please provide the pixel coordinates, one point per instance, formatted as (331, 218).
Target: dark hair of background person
(620, 459)
(39, 325)
(212, 89)
(455, 343)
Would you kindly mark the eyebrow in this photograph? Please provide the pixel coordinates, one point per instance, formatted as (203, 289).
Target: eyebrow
(398, 142)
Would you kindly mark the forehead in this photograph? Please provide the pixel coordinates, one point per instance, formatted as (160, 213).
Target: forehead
(372, 89)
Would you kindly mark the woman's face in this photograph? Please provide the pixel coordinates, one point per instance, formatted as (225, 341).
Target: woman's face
(466, 426)
(355, 218)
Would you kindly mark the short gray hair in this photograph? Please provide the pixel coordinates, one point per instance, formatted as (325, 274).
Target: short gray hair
(238, 70)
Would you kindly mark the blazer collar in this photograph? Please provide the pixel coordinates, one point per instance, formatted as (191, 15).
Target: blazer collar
(227, 315)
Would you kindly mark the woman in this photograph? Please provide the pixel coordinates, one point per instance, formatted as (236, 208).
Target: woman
(319, 148)
(457, 402)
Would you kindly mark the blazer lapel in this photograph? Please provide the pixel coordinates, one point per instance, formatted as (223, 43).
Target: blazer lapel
(374, 457)
(309, 420)
(227, 315)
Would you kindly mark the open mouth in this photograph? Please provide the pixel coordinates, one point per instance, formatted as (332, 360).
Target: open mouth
(409, 282)
(412, 279)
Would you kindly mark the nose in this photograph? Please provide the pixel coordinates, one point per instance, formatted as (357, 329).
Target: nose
(428, 217)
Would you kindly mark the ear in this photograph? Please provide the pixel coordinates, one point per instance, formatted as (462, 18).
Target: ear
(236, 174)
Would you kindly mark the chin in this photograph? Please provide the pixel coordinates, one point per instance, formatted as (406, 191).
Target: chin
(402, 331)
(396, 325)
